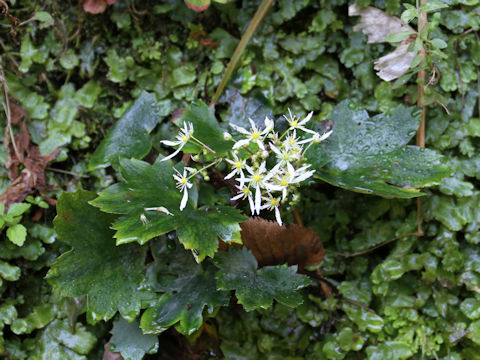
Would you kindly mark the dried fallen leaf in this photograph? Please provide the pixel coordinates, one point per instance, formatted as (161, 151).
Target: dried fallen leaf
(377, 25)
(272, 244)
(109, 355)
(22, 152)
(96, 6)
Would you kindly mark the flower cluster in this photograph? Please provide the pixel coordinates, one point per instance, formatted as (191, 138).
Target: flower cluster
(271, 173)
(268, 167)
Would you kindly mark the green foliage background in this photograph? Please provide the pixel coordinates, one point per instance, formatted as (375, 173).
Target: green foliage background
(424, 292)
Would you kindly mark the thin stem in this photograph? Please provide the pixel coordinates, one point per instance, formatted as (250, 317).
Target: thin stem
(422, 22)
(204, 168)
(257, 18)
(378, 246)
(202, 144)
(297, 217)
(8, 114)
(61, 171)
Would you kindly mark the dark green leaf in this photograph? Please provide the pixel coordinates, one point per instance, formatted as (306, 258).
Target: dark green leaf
(370, 155)
(148, 186)
(129, 341)
(187, 288)
(129, 137)
(108, 274)
(206, 127)
(256, 288)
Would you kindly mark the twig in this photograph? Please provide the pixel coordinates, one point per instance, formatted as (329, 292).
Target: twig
(6, 107)
(379, 245)
(257, 18)
(79, 24)
(356, 303)
(66, 172)
(297, 217)
(422, 22)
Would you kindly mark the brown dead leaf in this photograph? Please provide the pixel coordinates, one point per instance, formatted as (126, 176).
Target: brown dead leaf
(377, 25)
(108, 355)
(22, 153)
(96, 6)
(272, 244)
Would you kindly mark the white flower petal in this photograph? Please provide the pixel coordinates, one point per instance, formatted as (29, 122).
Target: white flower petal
(172, 155)
(258, 199)
(232, 174)
(252, 206)
(277, 215)
(240, 143)
(170, 143)
(240, 129)
(307, 130)
(236, 197)
(326, 135)
(184, 200)
(303, 177)
(260, 144)
(307, 119)
(252, 124)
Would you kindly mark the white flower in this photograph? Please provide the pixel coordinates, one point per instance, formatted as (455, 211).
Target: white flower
(273, 203)
(253, 135)
(245, 193)
(286, 155)
(301, 174)
(182, 138)
(320, 138)
(259, 180)
(295, 124)
(183, 185)
(238, 166)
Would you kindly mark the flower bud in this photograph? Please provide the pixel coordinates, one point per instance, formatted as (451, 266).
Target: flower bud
(227, 136)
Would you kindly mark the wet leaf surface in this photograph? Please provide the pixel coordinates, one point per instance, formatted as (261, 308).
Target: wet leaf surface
(256, 288)
(108, 274)
(130, 342)
(370, 154)
(188, 289)
(148, 186)
(129, 137)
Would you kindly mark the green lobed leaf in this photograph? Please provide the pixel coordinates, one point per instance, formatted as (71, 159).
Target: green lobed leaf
(129, 137)
(17, 234)
(148, 186)
(256, 288)
(370, 155)
(18, 209)
(188, 288)
(58, 342)
(108, 274)
(130, 342)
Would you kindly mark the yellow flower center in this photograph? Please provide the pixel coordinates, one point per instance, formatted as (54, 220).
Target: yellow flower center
(256, 178)
(273, 202)
(246, 191)
(184, 138)
(183, 181)
(238, 164)
(255, 135)
(292, 142)
(294, 123)
(284, 182)
(285, 156)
